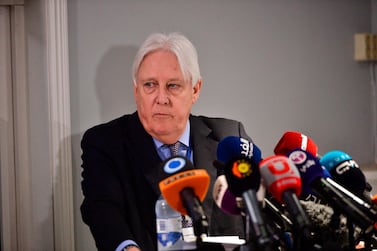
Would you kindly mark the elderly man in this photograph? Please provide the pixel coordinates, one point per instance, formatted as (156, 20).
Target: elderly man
(121, 158)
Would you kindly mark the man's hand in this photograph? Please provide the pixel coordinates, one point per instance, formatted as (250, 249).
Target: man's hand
(132, 248)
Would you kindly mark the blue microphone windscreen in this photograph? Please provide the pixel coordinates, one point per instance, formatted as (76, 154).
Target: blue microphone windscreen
(232, 146)
(332, 159)
(309, 168)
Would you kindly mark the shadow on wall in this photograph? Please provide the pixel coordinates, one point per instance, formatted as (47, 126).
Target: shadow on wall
(114, 89)
(114, 82)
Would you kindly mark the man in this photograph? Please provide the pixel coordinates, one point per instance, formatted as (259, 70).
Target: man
(121, 158)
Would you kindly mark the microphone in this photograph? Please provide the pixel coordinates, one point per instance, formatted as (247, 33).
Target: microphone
(320, 215)
(185, 190)
(241, 159)
(346, 172)
(312, 175)
(293, 140)
(284, 183)
(261, 192)
(232, 147)
(233, 205)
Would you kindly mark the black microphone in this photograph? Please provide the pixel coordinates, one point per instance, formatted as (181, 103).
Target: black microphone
(241, 158)
(312, 175)
(233, 205)
(350, 179)
(276, 212)
(346, 172)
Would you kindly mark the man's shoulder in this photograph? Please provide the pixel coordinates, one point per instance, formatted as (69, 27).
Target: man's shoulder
(218, 127)
(215, 122)
(107, 129)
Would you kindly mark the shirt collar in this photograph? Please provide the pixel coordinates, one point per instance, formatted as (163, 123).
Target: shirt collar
(185, 137)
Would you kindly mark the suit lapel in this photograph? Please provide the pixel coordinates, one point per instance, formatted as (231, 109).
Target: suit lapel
(204, 148)
(146, 158)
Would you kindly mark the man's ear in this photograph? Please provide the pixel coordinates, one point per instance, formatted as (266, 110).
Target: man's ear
(196, 90)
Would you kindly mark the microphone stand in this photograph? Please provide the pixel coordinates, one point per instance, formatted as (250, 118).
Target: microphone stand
(249, 245)
(257, 226)
(351, 237)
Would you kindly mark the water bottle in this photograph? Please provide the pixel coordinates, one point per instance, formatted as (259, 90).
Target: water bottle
(169, 227)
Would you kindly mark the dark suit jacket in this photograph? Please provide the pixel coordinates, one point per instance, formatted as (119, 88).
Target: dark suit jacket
(121, 175)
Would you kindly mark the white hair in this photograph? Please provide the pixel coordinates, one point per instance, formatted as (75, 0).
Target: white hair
(176, 43)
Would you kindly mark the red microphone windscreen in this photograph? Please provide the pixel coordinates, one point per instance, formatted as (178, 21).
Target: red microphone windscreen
(293, 140)
(280, 174)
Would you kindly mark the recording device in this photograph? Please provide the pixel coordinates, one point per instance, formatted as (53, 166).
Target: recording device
(346, 171)
(293, 140)
(241, 159)
(284, 183)
(185, 190)
(233, 205)
(312, 175)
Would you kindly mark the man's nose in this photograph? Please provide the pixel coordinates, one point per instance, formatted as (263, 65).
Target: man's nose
(162, 95)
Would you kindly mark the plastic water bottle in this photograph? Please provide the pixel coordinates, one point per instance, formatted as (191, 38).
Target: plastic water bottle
(169, 227)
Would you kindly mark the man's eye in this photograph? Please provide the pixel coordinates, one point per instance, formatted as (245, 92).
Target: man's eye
(149, 87)
(149, 84)
(172, 86)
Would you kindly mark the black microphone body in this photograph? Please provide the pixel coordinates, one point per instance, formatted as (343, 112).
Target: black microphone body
(246, 188)
(258, 225)
(368, 208)
(348, 178)
(275, 212)
(342, 203)
(297, 213)
(312, 175)
(195, 210)
(241, 159)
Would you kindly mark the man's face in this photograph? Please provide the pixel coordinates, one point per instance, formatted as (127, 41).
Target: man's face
(163, 98)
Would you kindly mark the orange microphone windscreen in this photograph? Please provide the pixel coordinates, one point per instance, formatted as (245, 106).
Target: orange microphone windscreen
(197, 179)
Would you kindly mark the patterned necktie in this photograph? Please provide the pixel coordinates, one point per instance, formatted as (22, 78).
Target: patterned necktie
(174, 148)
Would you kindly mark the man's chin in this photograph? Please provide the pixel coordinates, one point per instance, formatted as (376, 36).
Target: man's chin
(163, 131)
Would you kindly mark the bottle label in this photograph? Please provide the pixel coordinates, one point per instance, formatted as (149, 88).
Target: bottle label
(169, 225)
(169, 231)
(187, 229)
